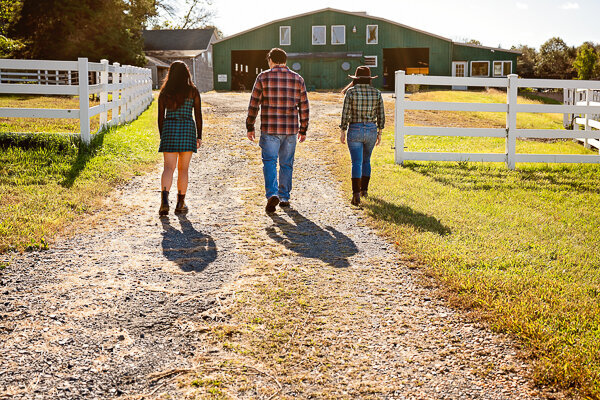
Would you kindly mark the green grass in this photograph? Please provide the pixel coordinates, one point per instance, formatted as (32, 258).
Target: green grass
(48, 181)
(522, 247)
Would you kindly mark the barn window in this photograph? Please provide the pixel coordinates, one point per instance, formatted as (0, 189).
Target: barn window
(502, 68)
(371, 61)
(338, 34)
(319, 35)
(372, 34)
(480, 68)
(285, 35)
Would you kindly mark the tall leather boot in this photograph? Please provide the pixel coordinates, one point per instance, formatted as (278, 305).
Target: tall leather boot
(355, 192)
(164, 203)
(364, 186)
(181, 208)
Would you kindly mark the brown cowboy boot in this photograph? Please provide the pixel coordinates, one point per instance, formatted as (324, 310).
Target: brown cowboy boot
(355, 192)
(181, 208)
(164, 204)
(364, 186)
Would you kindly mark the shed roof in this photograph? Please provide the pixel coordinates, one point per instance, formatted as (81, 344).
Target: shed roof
(153, 61)
(174, 53)
(177, 39)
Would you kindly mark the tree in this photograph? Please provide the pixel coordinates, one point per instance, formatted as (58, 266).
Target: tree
(96, 29)
(193, 14)
(526, 62)
(554, 60)
(9, 13)
(586, 62)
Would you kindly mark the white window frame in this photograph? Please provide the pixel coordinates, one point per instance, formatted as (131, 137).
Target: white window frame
(504, 73)
(371, 57)
(281, 36)
(338, 26)
(312, 31)
(376, 35)
(479, 61)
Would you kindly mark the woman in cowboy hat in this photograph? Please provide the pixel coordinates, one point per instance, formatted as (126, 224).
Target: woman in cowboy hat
(364, 118)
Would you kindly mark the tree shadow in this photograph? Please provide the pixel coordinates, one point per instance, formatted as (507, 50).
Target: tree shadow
(84, 155)
(403, 215)
(191, 249)
(557, 178)
(309, 240)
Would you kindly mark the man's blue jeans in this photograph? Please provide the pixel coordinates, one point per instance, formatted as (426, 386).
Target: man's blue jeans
(284, 148)
(361, 139)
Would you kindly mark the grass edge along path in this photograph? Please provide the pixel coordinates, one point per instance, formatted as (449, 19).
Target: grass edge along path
(47, 182)
(517, 247)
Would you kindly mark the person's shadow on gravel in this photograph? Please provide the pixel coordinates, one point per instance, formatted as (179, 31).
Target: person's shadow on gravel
(191, 249)
(310, 240)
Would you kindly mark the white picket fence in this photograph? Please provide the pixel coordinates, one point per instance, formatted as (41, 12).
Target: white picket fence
(130, 87)
(512, 83)
(583, 97)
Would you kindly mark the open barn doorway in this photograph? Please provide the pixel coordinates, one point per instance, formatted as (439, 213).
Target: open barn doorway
(245, 67)
(411, 60)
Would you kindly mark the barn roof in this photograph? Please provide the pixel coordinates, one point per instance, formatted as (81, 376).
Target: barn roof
(356, 13)
(177, 39)
(487, 48)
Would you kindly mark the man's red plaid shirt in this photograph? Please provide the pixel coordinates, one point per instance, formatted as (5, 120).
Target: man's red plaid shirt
(281, 96)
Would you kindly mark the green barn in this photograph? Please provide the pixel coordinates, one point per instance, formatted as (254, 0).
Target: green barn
(325, 46)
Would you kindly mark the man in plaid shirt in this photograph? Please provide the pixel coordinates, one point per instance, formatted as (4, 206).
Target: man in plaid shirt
(281, 96)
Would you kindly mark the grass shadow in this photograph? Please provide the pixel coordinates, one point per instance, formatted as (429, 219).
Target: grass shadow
(84, 155)
(309, 240)
(191, 249)
(466, 176)
(404, 215)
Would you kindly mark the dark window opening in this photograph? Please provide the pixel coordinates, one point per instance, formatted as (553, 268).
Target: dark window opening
(250, 63)
(411, 60)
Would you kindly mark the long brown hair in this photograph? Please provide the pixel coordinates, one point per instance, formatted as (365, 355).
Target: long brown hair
(356, 81)
(177, 86)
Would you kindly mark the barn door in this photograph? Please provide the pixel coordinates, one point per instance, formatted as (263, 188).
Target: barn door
(459, 69)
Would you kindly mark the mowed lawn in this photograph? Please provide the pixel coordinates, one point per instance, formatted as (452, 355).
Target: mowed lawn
(520, 247)
(48, 181)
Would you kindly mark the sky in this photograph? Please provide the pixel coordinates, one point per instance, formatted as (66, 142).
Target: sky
(492, 22)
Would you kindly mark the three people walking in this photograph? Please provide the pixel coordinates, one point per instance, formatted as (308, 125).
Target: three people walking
(180, 136)
(281, 96)
(363, 116)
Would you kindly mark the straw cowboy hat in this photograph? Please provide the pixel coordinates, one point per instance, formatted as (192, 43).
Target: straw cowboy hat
(362, 72)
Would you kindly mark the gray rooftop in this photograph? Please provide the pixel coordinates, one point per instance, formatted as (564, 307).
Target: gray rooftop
(177, 39)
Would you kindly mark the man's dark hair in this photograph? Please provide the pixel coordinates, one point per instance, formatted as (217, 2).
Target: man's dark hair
(277, 55)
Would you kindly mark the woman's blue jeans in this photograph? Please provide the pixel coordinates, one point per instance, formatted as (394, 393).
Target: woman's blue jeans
(361, 140)
(284, 148)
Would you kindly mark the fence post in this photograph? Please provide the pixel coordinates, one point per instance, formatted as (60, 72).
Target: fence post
(104, 92)
(399, 117)
(511, 121)
(125, 94)
(586, 141)
(116, 95)
(566, 96)
(84, 101)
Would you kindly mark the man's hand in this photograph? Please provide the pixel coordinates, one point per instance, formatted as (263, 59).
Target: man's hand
(251, 135)
(378, 142)
(301, 137)
(342, 136)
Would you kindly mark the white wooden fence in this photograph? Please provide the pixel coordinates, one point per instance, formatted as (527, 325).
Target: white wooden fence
(511, 108)
(583, 97)
(130, 87)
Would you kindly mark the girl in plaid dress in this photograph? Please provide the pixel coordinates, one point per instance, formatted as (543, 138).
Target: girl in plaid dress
(180, 135)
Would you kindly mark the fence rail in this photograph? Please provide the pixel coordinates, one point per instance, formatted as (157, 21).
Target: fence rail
(130, 87)
(588, 107)
(584, 97)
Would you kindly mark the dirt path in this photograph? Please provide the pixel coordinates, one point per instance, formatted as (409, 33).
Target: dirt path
(130, 303)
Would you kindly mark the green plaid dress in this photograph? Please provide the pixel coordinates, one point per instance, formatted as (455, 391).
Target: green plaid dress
(179, 130)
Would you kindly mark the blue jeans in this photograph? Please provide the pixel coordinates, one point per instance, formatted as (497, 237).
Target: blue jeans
(361, 139)
(284, 147)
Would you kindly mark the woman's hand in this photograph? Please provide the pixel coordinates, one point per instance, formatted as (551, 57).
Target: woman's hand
(198, 143)
(342, 136)
(378, 142)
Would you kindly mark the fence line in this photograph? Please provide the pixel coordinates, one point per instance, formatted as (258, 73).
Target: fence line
(512, 83)
(588, 121)
(130, 87)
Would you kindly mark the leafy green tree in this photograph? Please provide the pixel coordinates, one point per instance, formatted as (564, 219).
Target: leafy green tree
(526, 61)
(586, 62)
(96, 29)
(9, 13)
(554, 60)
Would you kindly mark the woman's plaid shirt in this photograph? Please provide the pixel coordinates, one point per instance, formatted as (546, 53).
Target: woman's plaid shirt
(363, 103)
(281, 96)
